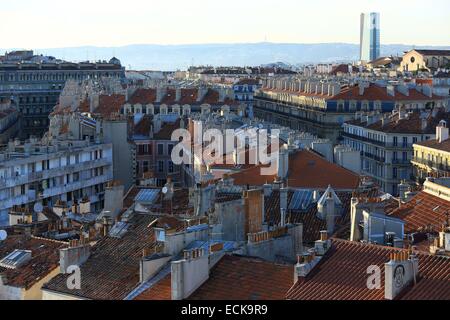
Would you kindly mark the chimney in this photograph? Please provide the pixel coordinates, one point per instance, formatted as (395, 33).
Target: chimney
(403, 90)
(178, 94)
(308, 260)
(331, 213)
(222, 94)
(390, 90)
(442, 132)
(150, 265)
(267, 189)
(322, 245)
(282, 217)
(426, 90)
(160, 93)
(444, 239)
(316, 195)
(403, 187)
(85, 206)
(283, 163)
(423, 123)
(401, 113)
(114, 198)
(77, 253)
(400, 272)
(355, 218)
(189, 274)
(361, 88)
(254, 210)
(284, 198)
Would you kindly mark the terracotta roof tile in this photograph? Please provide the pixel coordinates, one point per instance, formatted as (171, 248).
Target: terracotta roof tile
(342, 275)
(112, 270)
(143, 96)
(166, 131)
(245, 278)
(306, 170)
(411, 124)
(109, 105)
(188, 96)
(422, 212)
(375, 92)
(312, 225)
(45, 258)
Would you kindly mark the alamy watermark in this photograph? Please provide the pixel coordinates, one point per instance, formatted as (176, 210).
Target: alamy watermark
(232, 147)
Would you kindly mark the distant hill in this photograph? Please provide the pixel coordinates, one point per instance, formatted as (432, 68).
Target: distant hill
(172, 57)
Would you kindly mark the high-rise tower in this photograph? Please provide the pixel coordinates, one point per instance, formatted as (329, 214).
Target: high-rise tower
(370, 36)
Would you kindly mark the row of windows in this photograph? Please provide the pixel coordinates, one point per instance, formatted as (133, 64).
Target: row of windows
(147, 149)
(160, 167)
(56, 76)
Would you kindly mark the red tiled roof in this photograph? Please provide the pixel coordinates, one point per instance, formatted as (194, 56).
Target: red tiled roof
(143, 96)
(412, 123)
(343, 68)
(375, 92)
(162, 290)
(306, 170)
(112, 270)
(342, 275)
(84, 106)
(211, 97)
(245, 278)
(143, 126)
(433, 52)
(255, 279)
(44, 259)
(422, 212)
(110, 104)
(248, 81)
(170, 97)
(435, 144)
(312, 225)
(188, 96)
(166, 131)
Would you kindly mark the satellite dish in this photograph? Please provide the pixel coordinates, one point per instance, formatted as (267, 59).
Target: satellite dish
(165, 190)
(3, 235)
(38, 207)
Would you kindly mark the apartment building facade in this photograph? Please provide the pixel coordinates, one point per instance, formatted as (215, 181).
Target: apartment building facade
(386, 143)
(322, 107)
(432, 157)
(69, 171)
(35, 83)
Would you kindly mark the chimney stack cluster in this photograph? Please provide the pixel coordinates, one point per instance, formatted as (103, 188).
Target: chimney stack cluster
(308, 260)
(400, 272)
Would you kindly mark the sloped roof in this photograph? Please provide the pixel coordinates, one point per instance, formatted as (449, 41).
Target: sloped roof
(306, 170)
(112, 270)
(342, 275)
(245, 278)
(109, 104)
(143, 96)
(312, 225)
(44, 259)
(423, 211)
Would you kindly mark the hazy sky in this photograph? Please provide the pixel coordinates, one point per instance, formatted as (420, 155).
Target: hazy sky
(65, 23)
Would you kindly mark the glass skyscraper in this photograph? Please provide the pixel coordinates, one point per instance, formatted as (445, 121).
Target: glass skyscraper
(370, 36)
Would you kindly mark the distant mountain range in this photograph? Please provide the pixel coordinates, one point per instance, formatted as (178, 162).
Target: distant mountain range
(173, 57)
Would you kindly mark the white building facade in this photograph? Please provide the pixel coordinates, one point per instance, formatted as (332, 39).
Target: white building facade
(69, 171)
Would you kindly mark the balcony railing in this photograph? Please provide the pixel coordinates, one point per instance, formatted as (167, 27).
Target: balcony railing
(374, 157)
(52, 173)
(389, 145)
(432, 165)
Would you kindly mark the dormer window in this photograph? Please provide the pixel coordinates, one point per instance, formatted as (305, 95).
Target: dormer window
(160, 234)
